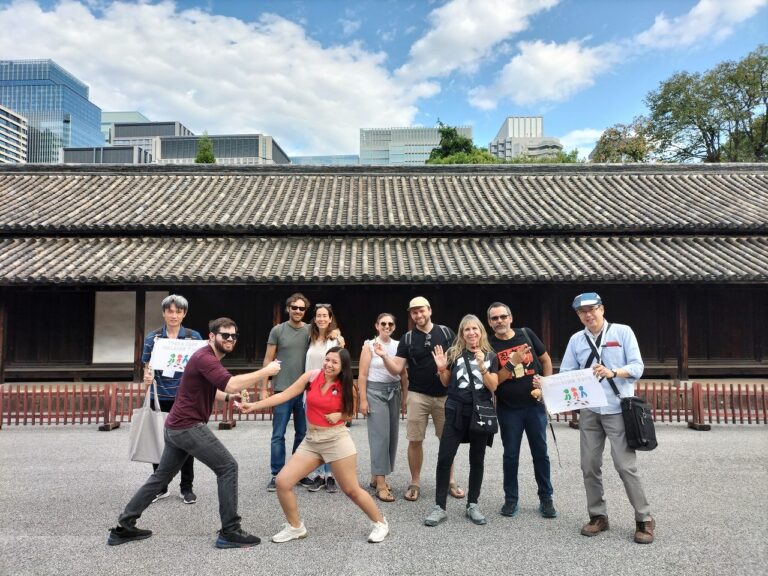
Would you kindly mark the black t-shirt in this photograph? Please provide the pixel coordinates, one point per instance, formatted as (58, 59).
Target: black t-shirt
(458, 388)
(516, 392)
(422, 370)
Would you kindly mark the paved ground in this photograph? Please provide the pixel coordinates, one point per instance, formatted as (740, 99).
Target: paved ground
(61, 488)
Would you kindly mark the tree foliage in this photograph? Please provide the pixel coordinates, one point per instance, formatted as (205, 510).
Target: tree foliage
(560, 158)
(451, 143)
(205, 150)
(623, 143)
(720, 115)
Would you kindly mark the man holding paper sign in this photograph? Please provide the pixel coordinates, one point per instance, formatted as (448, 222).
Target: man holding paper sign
(611, 350)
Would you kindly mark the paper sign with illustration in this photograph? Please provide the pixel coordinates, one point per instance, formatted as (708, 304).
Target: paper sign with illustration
(572, 391)
(171, 354)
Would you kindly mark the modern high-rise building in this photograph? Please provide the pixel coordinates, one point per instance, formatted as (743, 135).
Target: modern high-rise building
(13, 137)
(401, 146)
(109, 119)
(55, 103)
(146, 134)
(330, 160)
(233, 149)
(523, 136)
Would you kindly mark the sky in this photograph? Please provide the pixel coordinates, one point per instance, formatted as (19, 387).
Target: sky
(311, 73)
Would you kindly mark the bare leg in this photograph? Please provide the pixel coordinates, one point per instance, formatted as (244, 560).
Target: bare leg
(415, 460)
(298, 466)
(345, 471)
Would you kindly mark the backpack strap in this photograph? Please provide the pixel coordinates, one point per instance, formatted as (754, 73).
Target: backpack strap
(528, 340)
(595, 354)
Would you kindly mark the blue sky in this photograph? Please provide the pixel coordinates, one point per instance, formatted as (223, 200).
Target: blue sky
(311, 73)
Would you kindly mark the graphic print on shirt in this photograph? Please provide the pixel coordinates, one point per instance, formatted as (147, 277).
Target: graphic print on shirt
(462, 376)
(504, 355)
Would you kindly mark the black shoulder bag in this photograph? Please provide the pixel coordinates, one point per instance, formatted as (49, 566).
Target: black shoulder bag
(639, 428)
(484, 419)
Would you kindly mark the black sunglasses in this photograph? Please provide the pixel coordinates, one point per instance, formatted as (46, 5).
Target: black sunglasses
(298, 308)
(228, 335)
(390, 324)
(428, 341)
(499, 317)
(322, 305)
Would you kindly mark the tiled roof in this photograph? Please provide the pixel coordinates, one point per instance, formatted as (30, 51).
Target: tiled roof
(473, 259)
(365, 200)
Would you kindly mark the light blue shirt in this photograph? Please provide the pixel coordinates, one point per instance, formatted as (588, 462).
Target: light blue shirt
(618, 351)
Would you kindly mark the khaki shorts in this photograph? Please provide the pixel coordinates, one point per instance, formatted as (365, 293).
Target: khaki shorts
(328, 444)
(420, 408)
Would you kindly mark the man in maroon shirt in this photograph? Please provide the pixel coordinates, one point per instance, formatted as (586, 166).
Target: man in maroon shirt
(187, 433)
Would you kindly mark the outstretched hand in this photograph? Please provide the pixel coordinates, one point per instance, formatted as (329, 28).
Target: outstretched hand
(441, 360)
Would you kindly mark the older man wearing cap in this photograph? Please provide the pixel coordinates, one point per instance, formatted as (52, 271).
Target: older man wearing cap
(426, 395)
(612, 352)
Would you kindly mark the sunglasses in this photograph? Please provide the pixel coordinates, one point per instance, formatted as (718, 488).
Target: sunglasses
(322, 305)
(298, 308)
(390, 324)
(428, 341)
(499, 317)
(229, 335)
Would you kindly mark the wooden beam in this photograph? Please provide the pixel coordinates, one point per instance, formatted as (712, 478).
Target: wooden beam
(3, 313)
(138, 335)
(682, 338)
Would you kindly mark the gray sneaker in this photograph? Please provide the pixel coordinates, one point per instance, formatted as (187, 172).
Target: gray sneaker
(436, 516)
(272, 486)
(474, 514)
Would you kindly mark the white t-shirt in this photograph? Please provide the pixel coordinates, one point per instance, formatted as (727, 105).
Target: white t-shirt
(377, 372)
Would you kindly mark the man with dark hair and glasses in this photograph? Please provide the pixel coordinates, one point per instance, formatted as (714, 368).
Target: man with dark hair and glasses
(187, 435)
(288, 342)
(521, 356)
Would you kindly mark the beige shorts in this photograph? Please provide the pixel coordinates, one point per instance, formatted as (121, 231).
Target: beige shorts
(420, 408)
(328, 444)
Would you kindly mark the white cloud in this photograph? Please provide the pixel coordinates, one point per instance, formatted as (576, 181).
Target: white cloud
(464, 32)
(546, 72)
(216, 73)
(583, 139)
(349, 27)
(710, 20)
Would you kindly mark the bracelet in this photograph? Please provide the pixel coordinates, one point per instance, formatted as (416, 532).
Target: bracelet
(441, 370)
(226, 398)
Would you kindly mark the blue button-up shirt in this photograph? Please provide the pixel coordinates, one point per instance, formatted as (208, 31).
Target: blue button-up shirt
(166, 387)
(618, 351)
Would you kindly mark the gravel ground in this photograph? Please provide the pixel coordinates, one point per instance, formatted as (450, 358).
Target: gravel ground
(62, 488)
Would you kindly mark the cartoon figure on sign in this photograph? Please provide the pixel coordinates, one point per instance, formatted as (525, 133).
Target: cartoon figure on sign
(171, 359)
(186, 359)
(575, 393)
(583, 392)
(567, 395)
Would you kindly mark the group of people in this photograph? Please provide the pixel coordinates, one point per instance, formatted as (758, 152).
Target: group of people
(430, 373)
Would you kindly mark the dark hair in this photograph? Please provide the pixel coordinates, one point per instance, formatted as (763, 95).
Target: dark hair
(498, 305)
(174, 299)
(314, 331)
(347, 381)
(297, 296)
(223, 322)
(380, 316)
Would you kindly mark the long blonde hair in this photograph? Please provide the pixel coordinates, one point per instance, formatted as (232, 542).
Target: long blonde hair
(460, 345)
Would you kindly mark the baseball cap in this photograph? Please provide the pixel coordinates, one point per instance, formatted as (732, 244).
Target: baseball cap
(418, 302)
(586, 299)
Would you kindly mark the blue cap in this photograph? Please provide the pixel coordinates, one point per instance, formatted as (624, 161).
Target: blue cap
(586, 299)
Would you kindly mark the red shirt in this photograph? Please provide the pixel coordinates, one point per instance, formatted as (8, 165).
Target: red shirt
(319, 404)
(203, 375)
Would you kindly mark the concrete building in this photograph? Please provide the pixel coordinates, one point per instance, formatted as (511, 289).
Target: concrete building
(13, 137)
(523, 136)
(231, 149)
(55, 104)
(105, 155)
(109, 119)
(401, 146)
(146, 134)
(332, 160)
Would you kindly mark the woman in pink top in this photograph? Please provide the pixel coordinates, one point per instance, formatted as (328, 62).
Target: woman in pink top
(329, 402)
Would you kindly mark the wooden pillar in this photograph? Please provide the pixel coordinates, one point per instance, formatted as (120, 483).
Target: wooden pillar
(3, 323)
(547, 306)
(682, 324)
(138, 336)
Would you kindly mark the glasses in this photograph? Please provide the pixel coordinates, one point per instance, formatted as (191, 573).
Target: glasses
(387, 324)
(229, 335)
(298, 308)
(499, 317)
(587, 309)
(428, 341)
(322, 305)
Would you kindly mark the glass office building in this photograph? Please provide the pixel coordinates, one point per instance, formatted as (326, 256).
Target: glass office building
(146, 134)
(13, 137)
(401, 146)
(232, 149)
(55, 104)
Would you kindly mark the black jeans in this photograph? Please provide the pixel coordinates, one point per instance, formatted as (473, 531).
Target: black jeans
(455, 430)
(188, 468)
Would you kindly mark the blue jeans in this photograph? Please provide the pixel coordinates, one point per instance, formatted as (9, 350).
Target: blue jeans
(512, 423)
(201, 443)
(280, 416)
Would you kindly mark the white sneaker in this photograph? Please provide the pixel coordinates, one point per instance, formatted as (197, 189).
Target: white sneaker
(289, 533)
(379, 532)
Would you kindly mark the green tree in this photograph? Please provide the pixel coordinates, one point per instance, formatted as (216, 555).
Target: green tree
(451, 143)
(476, 156)
(712, 116)
(205, 150)
(560, 158)
(623, 143)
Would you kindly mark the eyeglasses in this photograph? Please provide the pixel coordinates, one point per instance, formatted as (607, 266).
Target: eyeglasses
(229, 335)
(322, 305)
(587, 309)
(298, 308)
(428, 341)
(385, 324)
(499, 317)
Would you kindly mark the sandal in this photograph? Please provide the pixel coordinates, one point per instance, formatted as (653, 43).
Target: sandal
(455, 491)
(373, 485)
(412, 493)
(385, 495)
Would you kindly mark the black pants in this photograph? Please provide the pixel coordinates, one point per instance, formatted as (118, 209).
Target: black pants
(456, 428)
(187, 469)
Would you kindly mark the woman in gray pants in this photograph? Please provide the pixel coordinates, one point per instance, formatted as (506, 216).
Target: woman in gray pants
(382, 400)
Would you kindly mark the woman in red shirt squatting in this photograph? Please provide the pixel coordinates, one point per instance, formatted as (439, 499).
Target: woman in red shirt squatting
(329, 403)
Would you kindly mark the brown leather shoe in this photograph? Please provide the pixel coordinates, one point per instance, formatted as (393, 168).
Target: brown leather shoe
(595, 525)
(644, 531)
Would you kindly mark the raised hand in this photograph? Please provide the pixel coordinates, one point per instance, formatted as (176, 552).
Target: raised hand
(441, 360)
